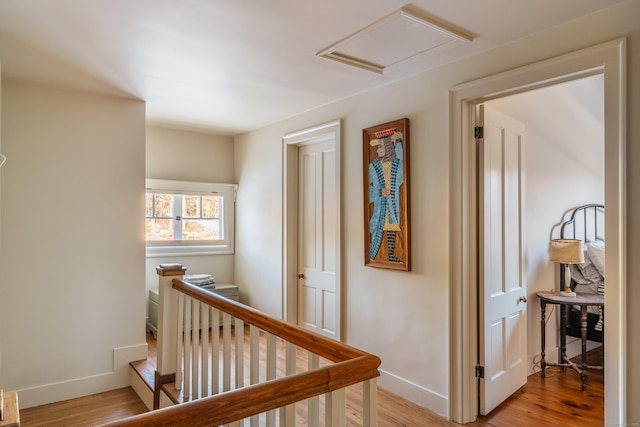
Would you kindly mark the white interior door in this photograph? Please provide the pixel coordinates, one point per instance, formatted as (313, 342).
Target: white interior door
(318, 302)
(503, 337)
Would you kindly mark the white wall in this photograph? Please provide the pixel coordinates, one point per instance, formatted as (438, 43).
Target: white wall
(184, 155)
(404, 317)
(72, 263)
(258, 261)
(385, 311)
(564, 168)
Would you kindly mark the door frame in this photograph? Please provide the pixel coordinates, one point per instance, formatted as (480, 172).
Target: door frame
(291, 143)
(608, 59)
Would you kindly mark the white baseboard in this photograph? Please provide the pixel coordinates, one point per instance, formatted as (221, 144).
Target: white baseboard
(574, 346)
(79, 387)
(415, 393)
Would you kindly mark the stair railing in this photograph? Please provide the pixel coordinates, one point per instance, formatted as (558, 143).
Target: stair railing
(189, 364)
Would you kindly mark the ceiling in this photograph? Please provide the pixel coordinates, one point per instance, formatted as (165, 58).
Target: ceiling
(233, 66)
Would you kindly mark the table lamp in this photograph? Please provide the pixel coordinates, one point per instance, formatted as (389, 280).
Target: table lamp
(566, 252)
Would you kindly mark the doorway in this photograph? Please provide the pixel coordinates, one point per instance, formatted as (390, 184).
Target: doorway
(606, 59)
(564, 159)
(312, 234)
(560, 149)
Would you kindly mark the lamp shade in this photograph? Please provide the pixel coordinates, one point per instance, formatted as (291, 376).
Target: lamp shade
(566, 251)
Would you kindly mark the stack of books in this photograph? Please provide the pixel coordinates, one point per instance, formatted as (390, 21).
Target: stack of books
(199, 279)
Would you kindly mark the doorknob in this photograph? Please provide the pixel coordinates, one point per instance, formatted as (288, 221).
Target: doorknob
(301, 276)
(522, 299)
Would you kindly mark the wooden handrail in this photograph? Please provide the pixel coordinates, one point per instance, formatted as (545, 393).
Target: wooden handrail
(252, 400)
(351, 366)
(322, 346)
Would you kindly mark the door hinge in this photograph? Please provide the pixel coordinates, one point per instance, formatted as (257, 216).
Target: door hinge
(478, 132)
(479, 371)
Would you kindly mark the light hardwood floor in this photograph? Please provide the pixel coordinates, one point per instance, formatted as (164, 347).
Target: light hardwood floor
(85, 411)
(556, 400)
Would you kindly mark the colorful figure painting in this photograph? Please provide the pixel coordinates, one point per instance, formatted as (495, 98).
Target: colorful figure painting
(386, 195)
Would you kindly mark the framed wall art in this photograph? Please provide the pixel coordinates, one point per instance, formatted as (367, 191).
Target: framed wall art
(386, 195)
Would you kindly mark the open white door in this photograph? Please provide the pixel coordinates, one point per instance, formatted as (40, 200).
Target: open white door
(318, 299)
(503, 335)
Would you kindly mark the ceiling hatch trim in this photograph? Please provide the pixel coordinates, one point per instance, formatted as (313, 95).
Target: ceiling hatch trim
(395, 38)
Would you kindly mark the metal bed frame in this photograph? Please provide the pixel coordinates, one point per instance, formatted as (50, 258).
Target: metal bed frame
(586, 223)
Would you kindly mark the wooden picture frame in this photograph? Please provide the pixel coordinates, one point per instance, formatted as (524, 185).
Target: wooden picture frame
(387, 225)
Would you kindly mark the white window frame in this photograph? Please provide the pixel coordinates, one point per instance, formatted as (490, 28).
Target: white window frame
(226, 191)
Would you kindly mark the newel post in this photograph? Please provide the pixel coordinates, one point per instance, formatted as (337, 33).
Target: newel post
(167, 317)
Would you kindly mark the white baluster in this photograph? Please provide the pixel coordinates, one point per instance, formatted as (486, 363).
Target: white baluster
(186, 389)
(370, 403)
(313, 403)
(195, 345)
(180, 342)
(239, 330)
(271, 372)
(226, 351)
(288, 414)
(254, 363)
(335, 408)
(204, 356)
(215, 351)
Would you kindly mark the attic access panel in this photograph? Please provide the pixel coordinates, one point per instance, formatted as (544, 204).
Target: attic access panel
(393, 39)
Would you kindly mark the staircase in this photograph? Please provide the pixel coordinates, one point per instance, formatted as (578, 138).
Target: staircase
(248, 369)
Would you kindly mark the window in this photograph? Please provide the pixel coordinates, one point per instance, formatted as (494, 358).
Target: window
(188, 218)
